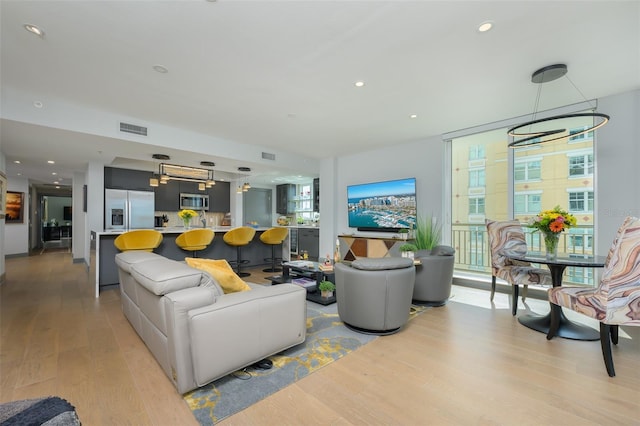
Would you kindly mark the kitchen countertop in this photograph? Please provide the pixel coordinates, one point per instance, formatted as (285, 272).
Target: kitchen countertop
(174, 230)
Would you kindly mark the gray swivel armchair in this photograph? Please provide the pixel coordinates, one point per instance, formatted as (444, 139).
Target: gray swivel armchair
(434, 276)
(374, 294)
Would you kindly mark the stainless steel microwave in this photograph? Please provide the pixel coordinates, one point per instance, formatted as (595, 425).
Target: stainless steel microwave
(194, 201)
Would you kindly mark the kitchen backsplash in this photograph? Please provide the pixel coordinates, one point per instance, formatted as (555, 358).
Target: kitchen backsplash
(213, 219)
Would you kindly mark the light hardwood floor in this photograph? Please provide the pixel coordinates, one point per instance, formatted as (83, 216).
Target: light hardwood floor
(469, 362)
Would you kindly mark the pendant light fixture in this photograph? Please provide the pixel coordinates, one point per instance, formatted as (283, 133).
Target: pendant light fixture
(550, 129)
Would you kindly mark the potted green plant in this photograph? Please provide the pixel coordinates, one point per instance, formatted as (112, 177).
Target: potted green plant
(403, 233)
(427, 233)
(408, 250)
(326, 288)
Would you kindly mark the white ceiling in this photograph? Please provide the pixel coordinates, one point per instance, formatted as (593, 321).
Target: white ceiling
(278, 76)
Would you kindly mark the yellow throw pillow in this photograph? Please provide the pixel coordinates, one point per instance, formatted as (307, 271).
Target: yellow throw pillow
(221, 271)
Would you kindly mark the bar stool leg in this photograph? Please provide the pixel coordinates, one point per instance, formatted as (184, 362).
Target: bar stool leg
(239, 262)
(273, 261)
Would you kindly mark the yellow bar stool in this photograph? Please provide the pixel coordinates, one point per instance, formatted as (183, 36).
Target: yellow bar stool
(238, 238)
(194, 240)
(138, 239)
(274, 237)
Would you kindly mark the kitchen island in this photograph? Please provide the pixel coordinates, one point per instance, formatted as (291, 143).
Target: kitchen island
(107, 272)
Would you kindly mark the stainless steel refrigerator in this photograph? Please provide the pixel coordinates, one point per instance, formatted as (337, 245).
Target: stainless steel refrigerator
(128, 209)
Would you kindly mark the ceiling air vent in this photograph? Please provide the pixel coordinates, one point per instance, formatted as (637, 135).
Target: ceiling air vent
(132, 128)
(268, 156)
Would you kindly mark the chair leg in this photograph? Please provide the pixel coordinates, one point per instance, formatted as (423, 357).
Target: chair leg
(514, 303)
(554, 324)
(524, 292)
(605, 342)
(614, 334)
(493, 287)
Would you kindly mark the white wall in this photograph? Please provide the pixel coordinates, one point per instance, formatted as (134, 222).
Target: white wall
(422, 160)
(79, 237)
(617, 168)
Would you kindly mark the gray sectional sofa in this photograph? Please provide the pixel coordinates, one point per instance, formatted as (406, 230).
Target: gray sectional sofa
(195, 331)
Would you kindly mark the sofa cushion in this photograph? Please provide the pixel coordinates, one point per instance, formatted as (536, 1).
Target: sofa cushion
(382, 263)
(221, 271)
(164, 276)
(127, 258)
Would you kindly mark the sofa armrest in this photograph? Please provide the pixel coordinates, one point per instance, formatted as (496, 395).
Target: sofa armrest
(177, 307)
(243, 328)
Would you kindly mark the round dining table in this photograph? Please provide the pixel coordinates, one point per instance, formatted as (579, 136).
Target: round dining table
(568, 329)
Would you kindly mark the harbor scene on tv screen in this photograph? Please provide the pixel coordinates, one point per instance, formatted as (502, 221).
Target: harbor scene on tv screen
(384, 206)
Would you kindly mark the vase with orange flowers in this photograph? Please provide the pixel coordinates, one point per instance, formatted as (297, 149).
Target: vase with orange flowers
(551, 223)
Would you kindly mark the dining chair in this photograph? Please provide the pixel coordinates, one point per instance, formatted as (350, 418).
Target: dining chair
(616, 300)
(508, 235)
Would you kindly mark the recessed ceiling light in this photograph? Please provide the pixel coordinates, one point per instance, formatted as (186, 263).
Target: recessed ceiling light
(359, 83)
(34, 30)
(57, 187)
(413, 116)
(485, 26)
(51, 162)
(54, 173)
(161, 69)
(37, 104)
(56, 182)
(17, 161)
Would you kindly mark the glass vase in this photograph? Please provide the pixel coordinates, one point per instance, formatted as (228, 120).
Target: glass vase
(551, 240)
(187, 223)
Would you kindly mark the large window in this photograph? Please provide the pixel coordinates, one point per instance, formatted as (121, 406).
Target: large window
(491, 180)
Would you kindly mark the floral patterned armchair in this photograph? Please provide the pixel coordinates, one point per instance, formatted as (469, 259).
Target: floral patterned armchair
(508, 235)
(616, 301)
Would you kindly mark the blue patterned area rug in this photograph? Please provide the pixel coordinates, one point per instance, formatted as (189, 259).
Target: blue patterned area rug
(328, 339)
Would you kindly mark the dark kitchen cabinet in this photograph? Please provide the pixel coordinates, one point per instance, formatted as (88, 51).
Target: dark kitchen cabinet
(285, 198)
(316, 195)
(136, 180)
(219, 197)
(168, 196)
(190, 187)
(309, 241)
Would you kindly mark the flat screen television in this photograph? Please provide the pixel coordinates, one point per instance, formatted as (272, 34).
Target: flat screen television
(382, 206)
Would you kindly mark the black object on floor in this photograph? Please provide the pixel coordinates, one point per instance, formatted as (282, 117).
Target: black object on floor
(263, 364)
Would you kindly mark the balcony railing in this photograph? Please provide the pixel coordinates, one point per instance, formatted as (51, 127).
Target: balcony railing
(473, 253)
